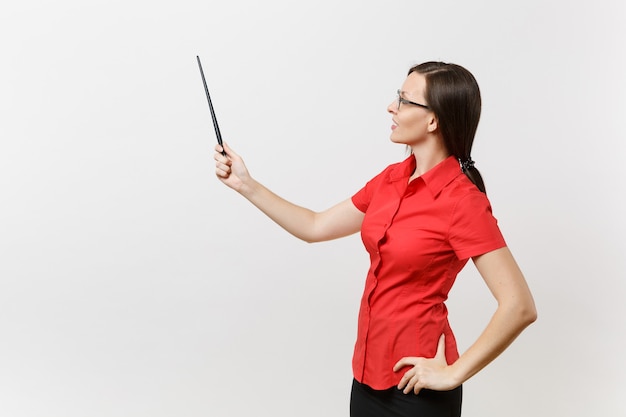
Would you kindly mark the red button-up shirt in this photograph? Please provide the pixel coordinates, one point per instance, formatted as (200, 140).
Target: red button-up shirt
(419, 235)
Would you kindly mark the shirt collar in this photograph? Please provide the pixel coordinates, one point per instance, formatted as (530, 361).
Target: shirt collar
(403, 170)
(435, 178)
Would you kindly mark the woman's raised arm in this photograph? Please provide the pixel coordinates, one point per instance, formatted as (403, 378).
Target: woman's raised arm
(340, 220)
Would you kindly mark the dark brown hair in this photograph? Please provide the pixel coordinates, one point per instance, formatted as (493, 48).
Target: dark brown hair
(452, 93)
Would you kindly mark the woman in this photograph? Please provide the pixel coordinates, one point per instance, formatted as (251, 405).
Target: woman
(420, 221)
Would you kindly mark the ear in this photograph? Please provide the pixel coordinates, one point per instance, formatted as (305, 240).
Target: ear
(433, 124)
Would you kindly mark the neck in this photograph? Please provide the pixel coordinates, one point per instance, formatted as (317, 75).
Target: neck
(426, 159)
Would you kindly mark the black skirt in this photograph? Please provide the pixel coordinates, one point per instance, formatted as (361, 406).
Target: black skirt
(392, 402)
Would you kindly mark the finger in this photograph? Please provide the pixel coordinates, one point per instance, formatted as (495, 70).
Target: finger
(222, 165)
(399, 365)
(221, 159)
(417, 388)
(411, 385)
(221, 173)
(229, 150)
(410, 361)
(415, 385)
(219, 150)
(441, 348)
(405, 379)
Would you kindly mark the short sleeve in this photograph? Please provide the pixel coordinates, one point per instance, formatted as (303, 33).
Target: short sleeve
(363, 197)
(474, 230)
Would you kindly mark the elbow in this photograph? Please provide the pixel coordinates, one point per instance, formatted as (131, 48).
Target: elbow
(305, 234)
(312, 235)
(530, 310)
(308, 238)
(530, 317)
(527, 313)
(522, 314)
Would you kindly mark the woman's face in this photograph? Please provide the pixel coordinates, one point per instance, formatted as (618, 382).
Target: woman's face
(411, 123)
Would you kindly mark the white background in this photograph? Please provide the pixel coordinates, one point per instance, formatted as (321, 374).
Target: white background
(132, 283)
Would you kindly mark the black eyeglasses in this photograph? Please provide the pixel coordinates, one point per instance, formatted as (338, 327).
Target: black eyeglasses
(405, 101)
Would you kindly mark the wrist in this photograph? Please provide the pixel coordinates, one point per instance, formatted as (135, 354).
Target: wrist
(457, 376)
(248, 187)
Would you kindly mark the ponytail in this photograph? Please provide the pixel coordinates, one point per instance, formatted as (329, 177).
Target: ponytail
(468, 168)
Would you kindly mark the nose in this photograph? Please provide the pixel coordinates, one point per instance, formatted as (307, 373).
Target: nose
(393, 107)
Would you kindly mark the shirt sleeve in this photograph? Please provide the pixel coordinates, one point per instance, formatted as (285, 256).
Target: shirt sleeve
(474, 230)
(363, 197)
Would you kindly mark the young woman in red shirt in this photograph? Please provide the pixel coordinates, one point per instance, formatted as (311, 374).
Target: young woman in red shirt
(420, 220)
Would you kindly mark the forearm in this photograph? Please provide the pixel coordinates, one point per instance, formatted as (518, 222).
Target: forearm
(340, 220)
(505, 325)
(297, 220)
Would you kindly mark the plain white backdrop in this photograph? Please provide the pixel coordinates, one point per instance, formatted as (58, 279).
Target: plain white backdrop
(132, 283)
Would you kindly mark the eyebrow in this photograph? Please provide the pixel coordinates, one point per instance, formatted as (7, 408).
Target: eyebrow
(403, 93)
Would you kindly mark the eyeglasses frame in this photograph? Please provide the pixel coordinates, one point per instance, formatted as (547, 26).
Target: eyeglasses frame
(402, 100)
